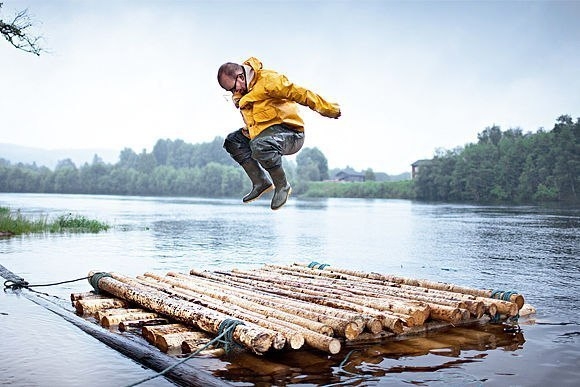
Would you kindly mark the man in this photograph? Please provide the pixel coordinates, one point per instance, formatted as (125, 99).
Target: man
(273, 127)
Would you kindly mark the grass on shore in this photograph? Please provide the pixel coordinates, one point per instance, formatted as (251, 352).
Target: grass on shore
(14, 223)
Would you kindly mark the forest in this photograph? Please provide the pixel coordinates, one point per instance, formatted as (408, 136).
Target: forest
(502, 167)
(507, 167)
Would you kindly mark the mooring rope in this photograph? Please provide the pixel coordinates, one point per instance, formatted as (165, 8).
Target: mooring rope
(94, 280)
(20, 283)
(224, 337)
(505, 296)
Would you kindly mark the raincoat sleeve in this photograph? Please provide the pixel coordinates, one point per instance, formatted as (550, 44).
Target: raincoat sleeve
(281, 87)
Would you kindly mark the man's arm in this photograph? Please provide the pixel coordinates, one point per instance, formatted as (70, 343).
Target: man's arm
(281, 87)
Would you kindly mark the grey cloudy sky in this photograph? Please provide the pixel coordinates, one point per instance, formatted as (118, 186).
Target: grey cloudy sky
(410, 76)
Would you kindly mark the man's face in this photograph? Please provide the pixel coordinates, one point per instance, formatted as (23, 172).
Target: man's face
(235, 85)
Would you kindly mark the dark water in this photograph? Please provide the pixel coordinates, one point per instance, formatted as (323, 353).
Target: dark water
(533, 250)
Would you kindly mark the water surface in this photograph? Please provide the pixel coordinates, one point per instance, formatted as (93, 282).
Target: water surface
(533, 250)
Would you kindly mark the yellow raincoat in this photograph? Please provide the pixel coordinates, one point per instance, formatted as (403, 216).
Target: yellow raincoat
(272, 98)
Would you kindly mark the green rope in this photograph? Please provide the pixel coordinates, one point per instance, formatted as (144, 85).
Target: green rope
(504, 296)
(225, 330)
(95, 278)
(316, 265)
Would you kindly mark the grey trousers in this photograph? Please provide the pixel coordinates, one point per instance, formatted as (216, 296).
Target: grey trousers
(267, 148)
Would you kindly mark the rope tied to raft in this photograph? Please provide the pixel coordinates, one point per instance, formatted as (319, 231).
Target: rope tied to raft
(95, 278)
(20, 283)
(505, 296)
(225, 331)
(316, 265)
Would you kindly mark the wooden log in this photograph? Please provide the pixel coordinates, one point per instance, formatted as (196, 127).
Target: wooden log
(419, 311)
(378, 289)
(312, 338)
(388, 321)
(206, 319)
(172, 342)
(150, 333)
(341, 327)
(92, 306)
(116, 311)
(192, 373)
(370, 323)
(138, 324)
(84, 296)
(446, 313)
(281, 335)
(518, 299)
(248, 305)
(115, 319)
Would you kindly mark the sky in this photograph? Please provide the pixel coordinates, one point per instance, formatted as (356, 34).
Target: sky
(411, 77)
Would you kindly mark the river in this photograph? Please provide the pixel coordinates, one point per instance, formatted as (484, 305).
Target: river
(534, 250)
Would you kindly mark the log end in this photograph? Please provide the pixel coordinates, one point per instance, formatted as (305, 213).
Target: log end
(352, 330)
(334, 346)
(295, 341)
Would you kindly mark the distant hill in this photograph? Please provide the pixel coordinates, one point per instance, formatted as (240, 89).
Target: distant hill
(49, 158)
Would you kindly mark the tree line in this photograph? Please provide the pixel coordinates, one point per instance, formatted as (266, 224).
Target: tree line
(502, 167)
(507, 166)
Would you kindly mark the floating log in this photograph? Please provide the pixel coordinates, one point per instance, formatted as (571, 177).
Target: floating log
(248, 305)
(281, 335)
(518, 299)
(115, 319)
(206, 319)
(340, 326)
(138, 324)
(151, 333)
(92, 306)
(192, 373)
(314, 339)
(384, 290)
(85, 295)
(368, 322)
(418, 311)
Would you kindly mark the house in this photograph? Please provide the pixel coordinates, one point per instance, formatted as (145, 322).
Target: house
(417, 165)
(350, 176)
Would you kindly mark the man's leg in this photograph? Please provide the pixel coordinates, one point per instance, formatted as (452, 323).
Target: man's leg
(268, 148)
(238, 146)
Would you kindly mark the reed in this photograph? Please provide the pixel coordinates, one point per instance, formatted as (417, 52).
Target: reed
(15, 223)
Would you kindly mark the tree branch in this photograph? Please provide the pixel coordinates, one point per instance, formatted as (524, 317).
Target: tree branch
(17, 33)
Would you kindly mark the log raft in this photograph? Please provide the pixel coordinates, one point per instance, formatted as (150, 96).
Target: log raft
(284, 307)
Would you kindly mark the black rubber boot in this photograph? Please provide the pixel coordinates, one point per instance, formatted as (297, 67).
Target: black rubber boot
(260, 181)
(282, 190)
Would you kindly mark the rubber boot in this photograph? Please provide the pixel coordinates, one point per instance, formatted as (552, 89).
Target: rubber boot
(282, 190)
(260, 181)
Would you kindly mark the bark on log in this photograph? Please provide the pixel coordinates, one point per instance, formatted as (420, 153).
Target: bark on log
(115, 319)
(240, 283)
(248, 305)
(150, 333)
(341, 327)
(518, 299)
(206, 319)
(281, 335)
(419, 311)
(312, 338)
(138, 324)
(386, 290)
(172, 342)
(92, 306)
